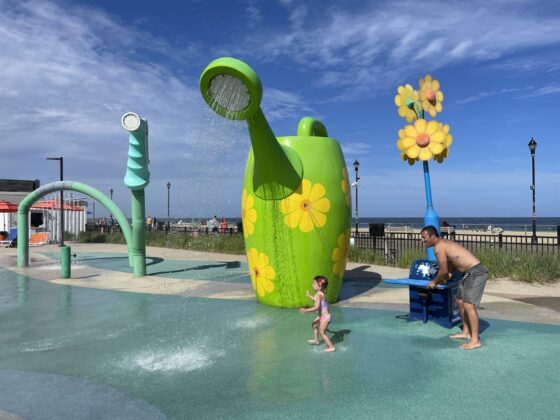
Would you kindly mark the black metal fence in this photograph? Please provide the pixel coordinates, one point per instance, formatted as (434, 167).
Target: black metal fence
(394, 245)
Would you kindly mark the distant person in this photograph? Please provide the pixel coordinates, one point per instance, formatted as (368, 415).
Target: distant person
(149, 223)
(223, 225)
(102, 224)
(154, 223)
(215, 224)
(208, 226)
(444, 229)
(451, 255)
(319, 324)
(110, 224)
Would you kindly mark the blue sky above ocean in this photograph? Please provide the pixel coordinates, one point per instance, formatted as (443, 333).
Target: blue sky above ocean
(71, 69)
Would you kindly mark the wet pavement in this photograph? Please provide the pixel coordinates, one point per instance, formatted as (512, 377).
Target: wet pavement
(190, 341)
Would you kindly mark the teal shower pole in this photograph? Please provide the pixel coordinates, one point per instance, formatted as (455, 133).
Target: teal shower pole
(137, 179)
(430, 217)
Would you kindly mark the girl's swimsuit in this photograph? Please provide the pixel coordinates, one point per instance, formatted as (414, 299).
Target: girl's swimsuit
(324, 305)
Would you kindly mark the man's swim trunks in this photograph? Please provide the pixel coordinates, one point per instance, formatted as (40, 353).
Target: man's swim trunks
(472, 284)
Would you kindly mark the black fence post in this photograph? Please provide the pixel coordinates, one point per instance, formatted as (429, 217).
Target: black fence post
(500, 239)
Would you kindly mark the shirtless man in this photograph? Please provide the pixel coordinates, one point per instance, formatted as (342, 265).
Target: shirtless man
(450, 257)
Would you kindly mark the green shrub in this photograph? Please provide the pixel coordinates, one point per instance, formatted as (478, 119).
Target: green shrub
(84, 237)
(525, 267)
(68, 236)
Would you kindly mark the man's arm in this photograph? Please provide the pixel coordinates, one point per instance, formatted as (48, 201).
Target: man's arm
(443, 274)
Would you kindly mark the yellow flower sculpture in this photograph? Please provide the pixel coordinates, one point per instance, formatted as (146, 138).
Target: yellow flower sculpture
(447, 142)
(306, 207)
(345, 185)
(262, 274)
(421, 141)
(340, 254)
(248, 214)
(405, 100)
(430, 95)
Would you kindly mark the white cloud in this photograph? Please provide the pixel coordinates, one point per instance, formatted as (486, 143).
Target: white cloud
(356, 148)
(278, 104)
(253, 12)
(375, 46)
(489, 93)
(69, 73)
(545, 90)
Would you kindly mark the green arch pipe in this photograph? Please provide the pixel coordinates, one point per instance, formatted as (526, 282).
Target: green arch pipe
(31, 198)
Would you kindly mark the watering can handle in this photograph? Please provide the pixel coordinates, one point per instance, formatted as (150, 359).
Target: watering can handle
(309, 126)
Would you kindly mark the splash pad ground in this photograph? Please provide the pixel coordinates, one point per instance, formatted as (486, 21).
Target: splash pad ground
(189, 341)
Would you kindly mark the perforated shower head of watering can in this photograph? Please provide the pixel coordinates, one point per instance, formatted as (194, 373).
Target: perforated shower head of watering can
(233, 90)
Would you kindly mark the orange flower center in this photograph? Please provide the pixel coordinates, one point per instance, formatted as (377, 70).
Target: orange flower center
(305, 205)
(430, 96)
(256, 272)
(422, 140)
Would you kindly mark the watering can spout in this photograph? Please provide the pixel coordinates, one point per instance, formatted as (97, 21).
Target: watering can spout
(277, 169)
(233, 90)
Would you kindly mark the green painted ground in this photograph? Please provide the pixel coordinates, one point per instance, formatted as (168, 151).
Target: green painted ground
(207, 359)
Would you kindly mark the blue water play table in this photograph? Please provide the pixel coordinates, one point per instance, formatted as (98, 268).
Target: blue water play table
(438, 304)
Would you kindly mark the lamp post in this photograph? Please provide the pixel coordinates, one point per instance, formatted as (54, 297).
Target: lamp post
(111, 192)
(356, 167)
(533, 147)
(168, 189)
(61, 160)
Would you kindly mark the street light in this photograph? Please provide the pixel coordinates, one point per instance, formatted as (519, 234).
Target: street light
(168, 188)
(355, 185)
(61, 160)
(533, 147)
(111, 192)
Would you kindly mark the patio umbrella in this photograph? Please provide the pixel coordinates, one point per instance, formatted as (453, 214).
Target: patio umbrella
(8, 207)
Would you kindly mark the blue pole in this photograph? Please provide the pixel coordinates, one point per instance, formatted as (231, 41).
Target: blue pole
(430, 217)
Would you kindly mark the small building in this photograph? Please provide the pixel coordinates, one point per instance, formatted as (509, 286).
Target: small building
(44, 216)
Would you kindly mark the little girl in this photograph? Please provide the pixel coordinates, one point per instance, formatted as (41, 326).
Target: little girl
(320, 323)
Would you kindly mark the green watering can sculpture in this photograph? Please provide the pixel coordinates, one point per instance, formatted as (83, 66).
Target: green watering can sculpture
(296, 204)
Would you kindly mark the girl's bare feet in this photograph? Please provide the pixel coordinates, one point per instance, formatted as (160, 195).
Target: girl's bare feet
(314, 342)
(330, 349)
(460, 336)
(470, 346)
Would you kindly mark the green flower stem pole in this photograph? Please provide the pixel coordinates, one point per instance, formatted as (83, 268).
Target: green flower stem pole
(430, 217)
(137, 179)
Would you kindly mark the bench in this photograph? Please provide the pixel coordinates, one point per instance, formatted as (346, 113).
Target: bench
(438, 304)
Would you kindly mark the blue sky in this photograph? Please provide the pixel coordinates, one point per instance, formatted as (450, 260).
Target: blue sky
(71, 69)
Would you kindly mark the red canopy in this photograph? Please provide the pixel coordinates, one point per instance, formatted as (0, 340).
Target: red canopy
(55, 205)
(8, 207)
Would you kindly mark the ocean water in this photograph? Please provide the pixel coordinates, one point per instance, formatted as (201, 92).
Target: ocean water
(544, 224)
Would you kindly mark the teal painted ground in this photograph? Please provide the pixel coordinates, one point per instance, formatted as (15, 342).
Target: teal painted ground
(65, 349)
(227, 271)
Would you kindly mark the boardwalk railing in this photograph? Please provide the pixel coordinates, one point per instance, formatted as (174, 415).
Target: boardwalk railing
(394, 245)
